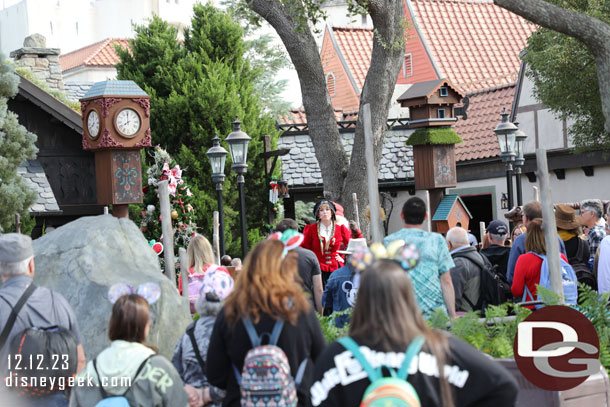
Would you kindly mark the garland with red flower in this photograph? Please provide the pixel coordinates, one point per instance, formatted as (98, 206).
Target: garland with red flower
(182, 213)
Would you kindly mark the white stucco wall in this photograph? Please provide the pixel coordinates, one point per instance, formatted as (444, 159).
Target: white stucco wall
(73, 24)
(574, 188)
(91, 75)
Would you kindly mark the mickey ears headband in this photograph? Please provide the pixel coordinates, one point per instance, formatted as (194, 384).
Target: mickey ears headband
(149, 291)
(290, 237)
(407, 255)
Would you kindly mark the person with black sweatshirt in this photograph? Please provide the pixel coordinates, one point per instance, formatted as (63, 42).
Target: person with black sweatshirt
(265, 291)
(445, 371)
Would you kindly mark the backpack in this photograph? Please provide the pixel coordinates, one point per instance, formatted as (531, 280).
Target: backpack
(568, 280)
(392, 391)
(266, 380)
(494, 289)
(584, 274)
(48, 352)
(116, 401)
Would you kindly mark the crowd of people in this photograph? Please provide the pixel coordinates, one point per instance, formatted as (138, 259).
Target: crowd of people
(256, 338)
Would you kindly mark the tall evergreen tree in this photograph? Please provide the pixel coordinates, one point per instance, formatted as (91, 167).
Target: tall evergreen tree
(197, 89)
(16, 146)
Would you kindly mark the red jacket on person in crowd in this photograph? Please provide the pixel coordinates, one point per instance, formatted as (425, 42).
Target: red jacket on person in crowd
(527, 272)
(327, 257)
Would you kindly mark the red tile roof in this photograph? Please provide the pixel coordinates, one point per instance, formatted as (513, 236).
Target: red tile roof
(356, 45)
(99, 54)
(475, 43)
(297, 116)
(483, 117)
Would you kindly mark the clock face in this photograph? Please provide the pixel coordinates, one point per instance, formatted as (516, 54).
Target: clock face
(128, 122)
(93, 124)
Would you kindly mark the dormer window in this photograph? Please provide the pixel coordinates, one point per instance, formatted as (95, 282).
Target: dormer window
(440, 113)
(444, 91)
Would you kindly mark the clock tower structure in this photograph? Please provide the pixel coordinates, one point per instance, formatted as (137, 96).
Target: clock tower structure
(116, 125)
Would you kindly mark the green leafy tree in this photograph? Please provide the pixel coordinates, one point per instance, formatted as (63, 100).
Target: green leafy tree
(197, 89)
(569, 62)
(266, 57)
(16, 146)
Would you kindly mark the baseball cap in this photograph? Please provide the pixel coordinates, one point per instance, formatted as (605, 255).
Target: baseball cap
(15, 247)
(497, 227)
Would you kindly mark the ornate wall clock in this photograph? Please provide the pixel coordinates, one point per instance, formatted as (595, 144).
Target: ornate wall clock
(116, 125)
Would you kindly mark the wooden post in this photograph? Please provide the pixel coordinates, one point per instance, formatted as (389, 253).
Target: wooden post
(184, 272)
(548, 224)
(356, 214)
(168, 231)
(371, 172)
(17, 223)
(215, 238)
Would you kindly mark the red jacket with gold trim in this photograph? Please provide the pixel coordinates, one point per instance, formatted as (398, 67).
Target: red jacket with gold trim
(327, 256)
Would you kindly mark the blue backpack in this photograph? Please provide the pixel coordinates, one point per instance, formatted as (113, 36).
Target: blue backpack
(568, 280)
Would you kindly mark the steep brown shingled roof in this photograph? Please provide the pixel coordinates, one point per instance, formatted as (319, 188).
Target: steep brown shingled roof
(99, 54)
(475, 43)
(356, 45)
(483, 117)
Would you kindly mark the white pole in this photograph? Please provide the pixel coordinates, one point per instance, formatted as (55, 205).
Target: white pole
(215, 237)
(481, 232)
(356, 214)
(184, 272)
(548, 224)
(168, 231)
(371, 173)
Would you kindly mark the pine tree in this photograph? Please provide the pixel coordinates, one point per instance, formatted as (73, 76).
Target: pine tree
(197, 89)
(16, 146)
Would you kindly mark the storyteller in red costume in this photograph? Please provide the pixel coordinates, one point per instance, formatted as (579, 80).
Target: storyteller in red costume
(325, 238)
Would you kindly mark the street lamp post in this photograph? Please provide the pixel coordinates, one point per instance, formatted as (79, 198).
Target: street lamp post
(238, 146)
(520, 138)
(217, 156)
(506, 131)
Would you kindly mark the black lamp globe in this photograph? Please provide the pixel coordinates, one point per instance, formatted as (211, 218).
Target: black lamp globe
(238, 146)
(506, 132)
(217, 155)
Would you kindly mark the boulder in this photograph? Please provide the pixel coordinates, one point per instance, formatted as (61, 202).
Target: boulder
(35, 41)
(83, 258)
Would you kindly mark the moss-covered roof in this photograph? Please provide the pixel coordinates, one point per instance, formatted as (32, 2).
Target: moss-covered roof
(440, 135)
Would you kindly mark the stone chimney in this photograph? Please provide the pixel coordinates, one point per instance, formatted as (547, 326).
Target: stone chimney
(42, 61)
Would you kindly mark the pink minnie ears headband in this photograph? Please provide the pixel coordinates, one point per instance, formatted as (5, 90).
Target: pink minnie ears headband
(407, 255)
(149, 291)
(290, 237)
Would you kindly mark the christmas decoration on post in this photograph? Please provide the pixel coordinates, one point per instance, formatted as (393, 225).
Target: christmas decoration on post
(116, 125)
(273, 192)
(182, 213)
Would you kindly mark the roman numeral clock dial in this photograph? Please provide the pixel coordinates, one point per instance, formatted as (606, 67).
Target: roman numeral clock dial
(128, 122)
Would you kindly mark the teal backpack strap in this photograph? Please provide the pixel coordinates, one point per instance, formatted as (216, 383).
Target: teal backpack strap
(412, 350)
(353, 347)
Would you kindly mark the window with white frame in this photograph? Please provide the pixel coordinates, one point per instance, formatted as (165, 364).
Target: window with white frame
(444, 91)
(407, 66)
(440, 113)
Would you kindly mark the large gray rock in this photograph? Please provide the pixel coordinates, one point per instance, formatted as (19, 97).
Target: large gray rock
(35, 41)
(83, 258)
